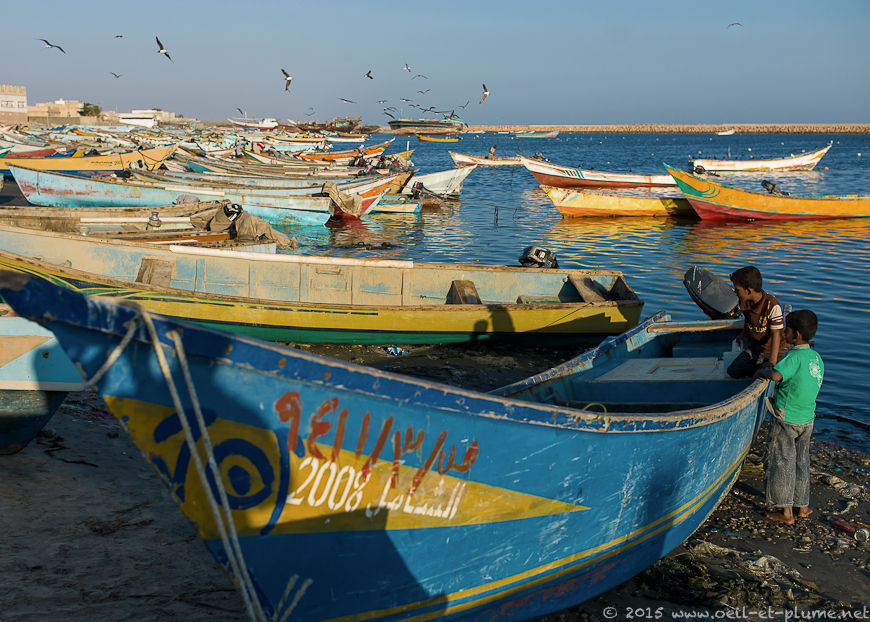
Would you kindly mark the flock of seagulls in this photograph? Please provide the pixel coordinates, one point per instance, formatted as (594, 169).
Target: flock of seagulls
(161, 49)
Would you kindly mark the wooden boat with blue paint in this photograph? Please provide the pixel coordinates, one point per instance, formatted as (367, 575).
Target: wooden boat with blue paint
(283, 297)
(90, 165)
(343, 492)
(271, 204)
(714, 201)
(35, 377)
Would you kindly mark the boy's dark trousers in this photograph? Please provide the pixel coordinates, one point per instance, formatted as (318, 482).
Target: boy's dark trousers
(747, 363)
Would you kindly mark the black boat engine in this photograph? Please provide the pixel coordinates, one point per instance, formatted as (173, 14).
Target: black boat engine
(713, 294)
(538, 257)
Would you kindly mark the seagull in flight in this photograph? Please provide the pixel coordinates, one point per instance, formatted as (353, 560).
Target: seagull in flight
(408, 69)
(242, 112)
(52, 45)
(389, 115)
(119, 36)
(347, 101)
(369, 75)
(405, 99)
(485, 94)
(733, 24)
(466, 104)
(420, 75)
(308, 114)
(162, 50)
(287, 79)
(424, 92)
(117, 75)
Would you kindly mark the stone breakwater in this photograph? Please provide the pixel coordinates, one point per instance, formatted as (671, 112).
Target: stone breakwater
(708, 128)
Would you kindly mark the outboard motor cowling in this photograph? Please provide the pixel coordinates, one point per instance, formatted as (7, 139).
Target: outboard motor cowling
(712, 293)
(538, 257)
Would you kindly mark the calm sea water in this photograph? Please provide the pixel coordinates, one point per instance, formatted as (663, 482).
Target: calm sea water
(820, 265)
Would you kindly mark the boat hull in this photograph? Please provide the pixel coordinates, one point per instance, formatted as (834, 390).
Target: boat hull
(713, 201)
(89, 165)
(322, 460)
(801, 162)
(573, 204)
(548, 174)
(324, 300)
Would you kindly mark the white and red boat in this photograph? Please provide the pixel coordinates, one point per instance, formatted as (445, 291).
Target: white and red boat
(549, 174)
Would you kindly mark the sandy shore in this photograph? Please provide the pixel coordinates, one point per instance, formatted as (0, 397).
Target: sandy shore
(90, 533)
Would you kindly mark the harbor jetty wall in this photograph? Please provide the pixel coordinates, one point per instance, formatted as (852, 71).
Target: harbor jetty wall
(677, 128)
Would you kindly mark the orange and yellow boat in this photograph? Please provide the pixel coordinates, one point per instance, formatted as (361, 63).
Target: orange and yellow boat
(437, 139)
(574, 203)
(712, 201)
(150, 158)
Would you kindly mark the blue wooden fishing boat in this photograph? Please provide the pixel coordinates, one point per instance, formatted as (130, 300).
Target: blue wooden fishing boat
(342, 492)
(35, 377)
(272, 205)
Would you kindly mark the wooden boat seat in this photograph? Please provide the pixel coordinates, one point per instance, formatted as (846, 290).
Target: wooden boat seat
(586, 288)
(156, 271)
(463, 293)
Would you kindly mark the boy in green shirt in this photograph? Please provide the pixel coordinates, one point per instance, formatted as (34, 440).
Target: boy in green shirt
(799, 377)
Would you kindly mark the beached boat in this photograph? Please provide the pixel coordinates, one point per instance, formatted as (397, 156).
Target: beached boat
(329, 299)
(255, 124)
(89, 165)
(613, 459)
(558, 176)
(800, 162)
(275, 205)
(552, 134)
(713, 201)
(437, 139)
(35, 377)
(574, 203)
(337, 156)
(449, 124)
(464, 159)
(730, 132)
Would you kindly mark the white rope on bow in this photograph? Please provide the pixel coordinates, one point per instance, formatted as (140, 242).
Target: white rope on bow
(233, 550)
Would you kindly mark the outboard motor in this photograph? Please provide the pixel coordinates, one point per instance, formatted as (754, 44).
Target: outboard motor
(538, 257)
(712, 293)
(232, 211)
(771, 188)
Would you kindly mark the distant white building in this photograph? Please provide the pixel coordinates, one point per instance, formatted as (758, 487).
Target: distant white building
(13, 104)
(146, 118)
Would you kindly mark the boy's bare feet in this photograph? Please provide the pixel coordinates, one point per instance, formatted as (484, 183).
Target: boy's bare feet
(804, 512)
(785, 516)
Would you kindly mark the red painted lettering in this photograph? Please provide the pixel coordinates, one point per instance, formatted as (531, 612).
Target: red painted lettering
(319, 427)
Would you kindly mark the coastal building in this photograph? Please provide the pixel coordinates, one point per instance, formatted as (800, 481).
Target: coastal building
(147, 118)
(64, 108)
(13, 104)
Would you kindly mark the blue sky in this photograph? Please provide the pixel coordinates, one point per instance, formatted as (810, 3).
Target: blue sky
(544, 62)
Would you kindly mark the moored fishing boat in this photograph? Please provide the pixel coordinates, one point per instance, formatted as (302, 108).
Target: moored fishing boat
(552, 134)
(255, 124)
(437, 139)
(800, 162)
(449, 124)
(35, 377)
(311, 459)
(443, 183)
(558, 176)
(345, 156)
(464, 159)
(573, 203)
(713, 201)
(340, 300)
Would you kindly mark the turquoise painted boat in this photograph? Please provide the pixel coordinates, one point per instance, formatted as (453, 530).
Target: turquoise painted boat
(59, 190)
(35, 377)
(283, 297)
(332, 491)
